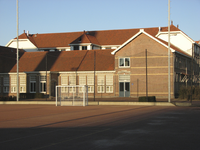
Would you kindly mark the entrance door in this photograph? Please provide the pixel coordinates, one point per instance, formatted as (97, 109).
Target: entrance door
(124, 89)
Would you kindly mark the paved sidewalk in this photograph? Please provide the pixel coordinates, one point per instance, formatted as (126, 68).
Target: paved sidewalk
(113, 101)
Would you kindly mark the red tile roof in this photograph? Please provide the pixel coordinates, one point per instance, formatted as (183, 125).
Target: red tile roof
(85, 38)
(105, 37)
(8, 58)
(66, 61)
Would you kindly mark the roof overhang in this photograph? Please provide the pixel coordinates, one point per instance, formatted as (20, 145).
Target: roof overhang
(174, 33)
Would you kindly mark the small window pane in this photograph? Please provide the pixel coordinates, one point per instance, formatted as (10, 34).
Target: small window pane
(126, 61)
(121, 61)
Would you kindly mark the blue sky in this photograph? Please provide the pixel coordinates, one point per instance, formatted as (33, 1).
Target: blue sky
(52, 16)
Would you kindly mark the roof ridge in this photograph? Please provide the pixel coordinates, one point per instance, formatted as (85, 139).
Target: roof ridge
(87, 36)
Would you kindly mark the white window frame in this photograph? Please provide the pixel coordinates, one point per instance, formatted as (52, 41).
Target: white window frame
(109, 83)
(33, 83)
(64, 89)
(100, 83)
(90, 83)
(64, 81)
(82, 81)
(72, 80)
(100, 89)
(109, 89)
(23, 84)
(72, 89)
(90, 89)
(6, 82)
(13, 80)
(43, 84)
(124, 62)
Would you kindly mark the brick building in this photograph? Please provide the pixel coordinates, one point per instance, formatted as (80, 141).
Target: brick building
(113, 63)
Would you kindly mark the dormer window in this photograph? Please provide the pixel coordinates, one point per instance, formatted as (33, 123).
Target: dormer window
(76, 47)
(84, 47)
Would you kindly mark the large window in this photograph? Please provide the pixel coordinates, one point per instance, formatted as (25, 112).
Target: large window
(13, 84)
(43, 83)
(90, 83)
(32, 84)
(72, 80)
(100, 83)
(6, 84)
(64, 81)
(124, 62)
(109, 83)
(22, 84)
(82, 81)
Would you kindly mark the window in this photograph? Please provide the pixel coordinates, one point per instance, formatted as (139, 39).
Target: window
(64, 81)
(32, 84)
(6, 84)
(43, 83)
(64, 89)
(90, 83)
(124, 62)
(72, 80)
(22, 84)
(84, 47)
(100, 83)
(82, 81)
(6, 89)
(72, 89)
(109, 83)
(13, 84)
(76, 47)
(90, 89)
(100, 89)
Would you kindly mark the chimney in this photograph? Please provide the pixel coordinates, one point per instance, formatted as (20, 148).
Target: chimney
(27, 33)
(159, 29)
(177, 26)
(171, 22)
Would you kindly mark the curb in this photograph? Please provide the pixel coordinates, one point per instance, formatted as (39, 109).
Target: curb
(92, 103)
(182, 104)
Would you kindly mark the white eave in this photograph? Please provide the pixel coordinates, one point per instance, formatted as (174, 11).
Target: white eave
(137, 34)
(15, 40)
(177, 32)
(9, 43)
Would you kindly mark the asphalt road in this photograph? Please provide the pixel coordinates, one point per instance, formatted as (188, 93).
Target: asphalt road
(45, 127)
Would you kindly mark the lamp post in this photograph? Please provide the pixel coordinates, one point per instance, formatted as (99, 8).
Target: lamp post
(169, 81)
(17, 53)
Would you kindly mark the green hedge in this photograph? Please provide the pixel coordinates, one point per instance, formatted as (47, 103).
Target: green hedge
(31, 95)
(149, 99)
